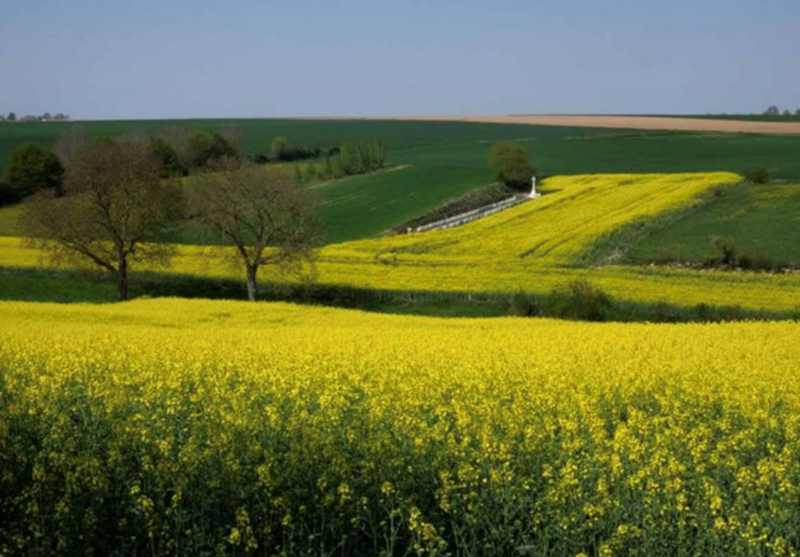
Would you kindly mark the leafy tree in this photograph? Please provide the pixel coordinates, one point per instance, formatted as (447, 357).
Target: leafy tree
(578, 300)
(512, 164)
(772, 111)
(337, 170)
(203, 148)
(12, 117)
(278, 148)
(797, 112)
(262, 213)
(7, 194)
(32, 168)
(351, 159)
(222, 147)
(311, 171)
(168, 158)
(786, 112)
(380, 154)
(199, 144)
(114, 210)
(757, 174)
(357, 158)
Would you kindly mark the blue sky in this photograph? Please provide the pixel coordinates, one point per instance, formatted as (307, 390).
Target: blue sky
(98, 59)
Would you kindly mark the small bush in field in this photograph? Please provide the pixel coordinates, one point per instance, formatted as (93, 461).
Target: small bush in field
(579, 300)
(757, 175)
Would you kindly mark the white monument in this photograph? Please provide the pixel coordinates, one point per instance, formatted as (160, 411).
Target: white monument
(534, 194)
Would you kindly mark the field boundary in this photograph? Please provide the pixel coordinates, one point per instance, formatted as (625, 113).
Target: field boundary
(665, 123)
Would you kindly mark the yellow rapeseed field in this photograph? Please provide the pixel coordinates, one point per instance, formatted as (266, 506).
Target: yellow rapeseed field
(170, 427)
(533, 247)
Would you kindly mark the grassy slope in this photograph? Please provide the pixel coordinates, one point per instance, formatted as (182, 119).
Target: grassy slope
(447, 159)
(759, 220)
(536, 246)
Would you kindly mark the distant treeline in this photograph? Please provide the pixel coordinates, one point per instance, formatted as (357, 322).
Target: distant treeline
(32, 168)
(348, 160)
(181, 152)
(325, 163)
(46, 117)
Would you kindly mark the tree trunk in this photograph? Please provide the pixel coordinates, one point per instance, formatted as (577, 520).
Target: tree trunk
(122, 278)
(252, 285)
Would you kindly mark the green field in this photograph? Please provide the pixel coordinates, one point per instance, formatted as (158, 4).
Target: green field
(759, 221)
(443, 160)
(434, 162)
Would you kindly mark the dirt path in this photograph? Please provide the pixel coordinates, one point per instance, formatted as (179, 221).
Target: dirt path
(628, 122)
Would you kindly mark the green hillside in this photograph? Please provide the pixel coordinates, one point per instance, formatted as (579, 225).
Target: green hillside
(443, 160)
(556, 150)
(759, 222)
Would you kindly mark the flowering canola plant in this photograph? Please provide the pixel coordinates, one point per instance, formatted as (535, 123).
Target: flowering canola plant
(542, 244)
(535, 246)
(166, 427)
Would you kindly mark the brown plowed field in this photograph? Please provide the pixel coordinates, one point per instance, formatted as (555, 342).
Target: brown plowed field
(630, 122)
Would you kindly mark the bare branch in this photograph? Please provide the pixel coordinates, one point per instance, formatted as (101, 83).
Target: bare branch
(263, 213)
(114, 209)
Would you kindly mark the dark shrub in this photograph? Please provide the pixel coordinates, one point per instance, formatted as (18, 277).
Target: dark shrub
(705, 313)
(579, 300)
(757, 175)
(521, 304)
(727, 251)
(663, 312)
(733, 313)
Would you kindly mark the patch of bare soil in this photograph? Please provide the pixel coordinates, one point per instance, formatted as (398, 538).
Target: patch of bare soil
(629, 122)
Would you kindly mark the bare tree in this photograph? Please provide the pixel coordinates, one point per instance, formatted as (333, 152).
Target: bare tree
(72, 140)
(114, 210)
(233, 136)
(263, 213)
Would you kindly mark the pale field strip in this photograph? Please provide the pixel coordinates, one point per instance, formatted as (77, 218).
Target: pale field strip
(665, 123)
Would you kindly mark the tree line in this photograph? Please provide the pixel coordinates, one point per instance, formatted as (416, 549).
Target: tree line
(773, 110)
(114, 203)
(46, 117)
(177, 151)
(316, 163)
(348, 160)
(181, 152)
